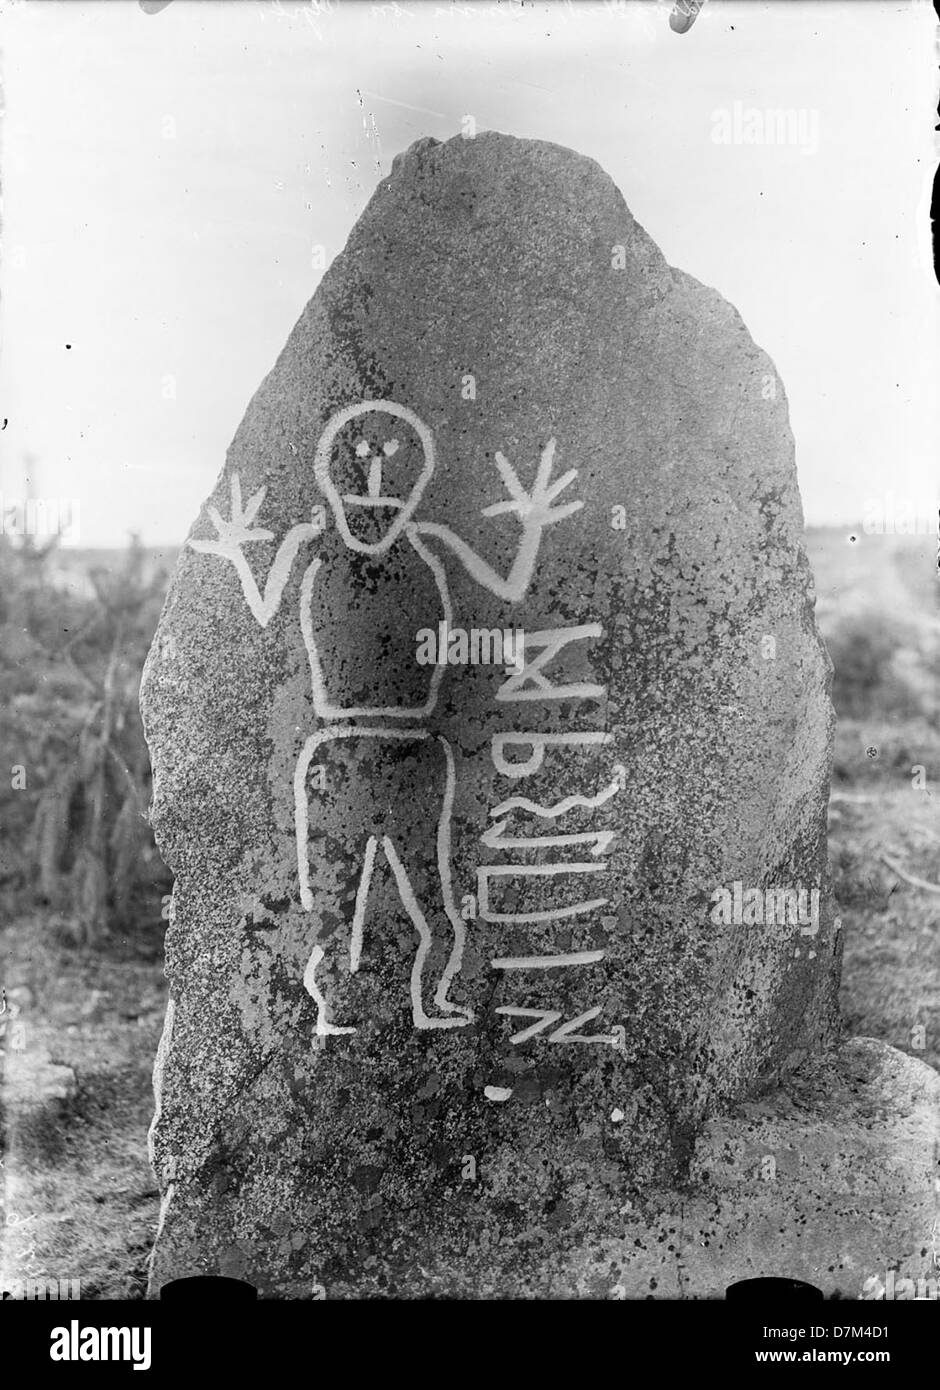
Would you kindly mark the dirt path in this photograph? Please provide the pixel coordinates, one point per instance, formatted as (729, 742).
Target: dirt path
(80, 1199)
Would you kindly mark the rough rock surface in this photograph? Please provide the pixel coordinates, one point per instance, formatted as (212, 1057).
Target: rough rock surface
(833, 1178)
(347, 825)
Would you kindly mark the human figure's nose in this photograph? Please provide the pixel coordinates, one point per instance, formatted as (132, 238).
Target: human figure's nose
(375, 476)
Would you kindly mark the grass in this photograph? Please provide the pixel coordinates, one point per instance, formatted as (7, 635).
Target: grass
(891, 971)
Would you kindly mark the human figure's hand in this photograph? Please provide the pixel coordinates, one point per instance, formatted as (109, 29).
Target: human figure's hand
(534, 508)
(237, 531)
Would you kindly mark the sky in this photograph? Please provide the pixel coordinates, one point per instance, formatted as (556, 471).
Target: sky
(169, 178)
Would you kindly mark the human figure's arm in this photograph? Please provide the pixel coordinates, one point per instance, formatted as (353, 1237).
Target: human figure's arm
(535, 511)
(232, 534)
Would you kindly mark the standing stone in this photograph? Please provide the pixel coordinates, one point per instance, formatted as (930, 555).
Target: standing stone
(472, 938)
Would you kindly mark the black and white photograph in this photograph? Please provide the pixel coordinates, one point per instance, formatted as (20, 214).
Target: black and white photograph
(469, 664)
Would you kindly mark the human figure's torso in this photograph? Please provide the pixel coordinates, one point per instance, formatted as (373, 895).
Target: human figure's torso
(363, 617)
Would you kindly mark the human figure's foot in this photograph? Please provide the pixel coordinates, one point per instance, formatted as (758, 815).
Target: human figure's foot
(324, 1027)
(326, 1030)
(455, 1017)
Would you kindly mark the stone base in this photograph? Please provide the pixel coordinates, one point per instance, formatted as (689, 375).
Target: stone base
(832, 1179)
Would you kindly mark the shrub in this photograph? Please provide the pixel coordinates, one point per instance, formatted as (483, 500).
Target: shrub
(870, 676)
(74, 828)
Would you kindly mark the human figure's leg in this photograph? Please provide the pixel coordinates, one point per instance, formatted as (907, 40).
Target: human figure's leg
(326, 971)
(437, 920)
(363, 804)
(317, 955)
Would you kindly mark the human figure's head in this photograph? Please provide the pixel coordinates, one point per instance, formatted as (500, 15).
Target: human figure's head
(373, 463)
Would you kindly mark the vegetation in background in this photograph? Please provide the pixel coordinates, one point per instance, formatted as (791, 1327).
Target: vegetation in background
(880, 667)
(73, 825)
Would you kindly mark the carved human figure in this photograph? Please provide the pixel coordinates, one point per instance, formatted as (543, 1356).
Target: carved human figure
(373, 463)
